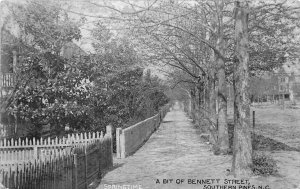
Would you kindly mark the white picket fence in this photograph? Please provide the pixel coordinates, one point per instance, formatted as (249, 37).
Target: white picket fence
(70, 162)
(48, 142)
(19, 151)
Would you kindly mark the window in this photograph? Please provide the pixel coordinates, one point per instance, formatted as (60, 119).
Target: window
(282, 79)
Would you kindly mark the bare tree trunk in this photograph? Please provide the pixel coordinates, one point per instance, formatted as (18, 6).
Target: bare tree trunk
(193, 103)
(189, 104)
(223, 139)
(197, 104)
(212, 108)
(212, 96)
(242, 148)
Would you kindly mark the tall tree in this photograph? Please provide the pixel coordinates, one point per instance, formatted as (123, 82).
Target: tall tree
(242, 148)
(197, 37)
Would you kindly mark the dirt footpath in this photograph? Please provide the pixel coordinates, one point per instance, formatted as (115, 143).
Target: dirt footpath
(176, 153)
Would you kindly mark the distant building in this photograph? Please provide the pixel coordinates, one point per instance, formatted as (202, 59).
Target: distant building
(289, 81)
(8, 60)
(283, 83)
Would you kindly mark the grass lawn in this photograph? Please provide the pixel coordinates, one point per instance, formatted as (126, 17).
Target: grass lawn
(282, 125)
(279, 124)
(277, 133)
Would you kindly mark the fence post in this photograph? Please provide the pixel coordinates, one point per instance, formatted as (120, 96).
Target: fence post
(110, 134)
(118, 142)
(109, 130)
(122, 144)
(85, 168)
(75, 171)
(158, 121)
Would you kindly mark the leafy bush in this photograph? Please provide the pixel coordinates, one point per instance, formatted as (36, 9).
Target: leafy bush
(264, 164)
(80, 91)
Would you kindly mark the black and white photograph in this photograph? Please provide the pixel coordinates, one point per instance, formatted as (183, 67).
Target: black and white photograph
(150, 94)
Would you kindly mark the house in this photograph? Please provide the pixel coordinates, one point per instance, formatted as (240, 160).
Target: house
(10, 56)
(8, 60)
(289, 80)
(283, 83)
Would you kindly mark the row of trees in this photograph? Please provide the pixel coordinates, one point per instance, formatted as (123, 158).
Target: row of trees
(212, 44)
(84, 91)
(202, 46)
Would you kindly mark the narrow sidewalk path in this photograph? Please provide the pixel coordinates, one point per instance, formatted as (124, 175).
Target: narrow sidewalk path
(174, 151)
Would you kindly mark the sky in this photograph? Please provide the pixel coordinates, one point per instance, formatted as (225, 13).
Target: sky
(85, 8)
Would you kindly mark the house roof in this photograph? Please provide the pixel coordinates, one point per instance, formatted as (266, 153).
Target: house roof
(70, 49)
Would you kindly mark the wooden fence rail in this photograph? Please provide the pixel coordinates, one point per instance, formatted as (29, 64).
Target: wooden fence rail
(7, 80)
(55, 173)
(89, 158)
(12, 150)
(49, 142)
(130, 139)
